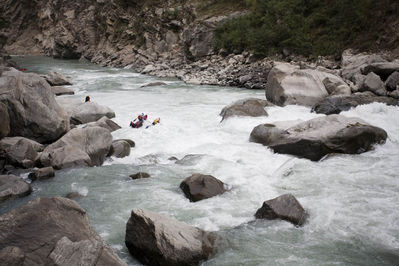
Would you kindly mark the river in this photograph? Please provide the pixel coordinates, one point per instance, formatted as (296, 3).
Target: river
(353, 200)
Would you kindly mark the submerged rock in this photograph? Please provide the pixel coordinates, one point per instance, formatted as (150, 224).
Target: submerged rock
(156, 239)
(285, 207)
(190, 159)
(32, 109)
(246, 107)
(55, 231)
(140, 175)
(73, 195)
(198, 187)
(315, 138)
(153, 84)
(56, 79)
(287, 84)
(12, 186)
(337, 104)
(79, 147)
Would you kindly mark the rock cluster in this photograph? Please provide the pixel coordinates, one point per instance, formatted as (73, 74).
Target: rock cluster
(52, 231)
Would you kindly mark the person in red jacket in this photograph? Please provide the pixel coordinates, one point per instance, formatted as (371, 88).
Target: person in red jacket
(138, 122)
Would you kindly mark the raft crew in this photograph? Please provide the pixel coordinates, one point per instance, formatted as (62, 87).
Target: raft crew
(138, 122)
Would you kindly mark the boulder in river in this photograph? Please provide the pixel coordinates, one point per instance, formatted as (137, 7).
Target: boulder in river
(320, 136)
(155, 239)
(42, 173)
(198, 187)
(246, 107)
(90, 112)
(139, 175)
(337, 104)
(119, 148)
(104, 122)
(84, 112)
(12, 186)
(287, 84)
(20, 152)
(59, 90)
(32, 108)
(56, 79)
(285, 207)
(54, 231)
(79, 147)
(5, 120)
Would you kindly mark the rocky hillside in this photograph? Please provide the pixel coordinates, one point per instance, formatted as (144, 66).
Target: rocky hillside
(158, 36)
(117, 32)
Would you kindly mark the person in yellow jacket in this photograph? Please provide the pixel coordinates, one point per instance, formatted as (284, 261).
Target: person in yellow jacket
(156, 121)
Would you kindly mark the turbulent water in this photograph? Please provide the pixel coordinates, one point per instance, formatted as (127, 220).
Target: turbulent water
(352, 200)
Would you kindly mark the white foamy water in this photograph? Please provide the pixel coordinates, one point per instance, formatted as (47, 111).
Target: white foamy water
(352, 199)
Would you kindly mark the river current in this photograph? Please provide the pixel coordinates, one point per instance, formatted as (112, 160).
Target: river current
(353, 200)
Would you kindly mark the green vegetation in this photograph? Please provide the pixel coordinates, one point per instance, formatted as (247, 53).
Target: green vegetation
(307, 27)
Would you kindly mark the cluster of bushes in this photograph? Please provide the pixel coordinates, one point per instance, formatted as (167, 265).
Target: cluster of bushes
(306, 27)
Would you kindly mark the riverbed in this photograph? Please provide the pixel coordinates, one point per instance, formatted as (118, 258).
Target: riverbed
(352, 199)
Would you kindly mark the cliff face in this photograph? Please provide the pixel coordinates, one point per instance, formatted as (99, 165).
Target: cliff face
(116, 32)
(138, 33)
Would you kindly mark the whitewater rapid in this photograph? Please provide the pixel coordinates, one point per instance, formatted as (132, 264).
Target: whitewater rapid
(352, 199)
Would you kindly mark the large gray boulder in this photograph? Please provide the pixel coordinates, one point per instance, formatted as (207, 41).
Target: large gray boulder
(374, 84)
(337, 104)
(198, 187)
(5, 120)
(320, 136)
(393, 81)
(12, 186)
(104, 122)
(156, 239)
(56, 79)
(79, 147)
(90, 112)
(285, 207)
(20, 152)
(288, 84)
(84, 112)
(32, 108)
(120, 148)
(54, 231)
(246, 107)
